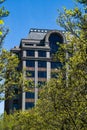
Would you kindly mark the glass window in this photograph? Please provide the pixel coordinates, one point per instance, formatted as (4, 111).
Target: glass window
(28, 44)
(30, 52)
(30, 63)
(42, 64)
(30, 73)
(42, 74)
(29, 94)
(29, 105)
(55, 65)
(17, 54)
(41, 53)
(53, 40)
(15, 101)
(15, 104)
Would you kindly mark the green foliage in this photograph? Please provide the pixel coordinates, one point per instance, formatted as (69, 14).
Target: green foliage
(64, 100)
(1, 1)
(10, 77)
(8, 63)
(19, 121)
(82, 1)
(3, 29)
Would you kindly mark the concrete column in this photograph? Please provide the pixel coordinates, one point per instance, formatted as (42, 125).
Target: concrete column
(46, 44)
(48, 66)
(23, 101)
(36, 77)
(48, 54)
(36, 54)
(24, 53)
(23, 94)
(48, 70)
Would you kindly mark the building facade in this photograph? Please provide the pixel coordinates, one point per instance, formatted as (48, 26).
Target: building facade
(35, 53)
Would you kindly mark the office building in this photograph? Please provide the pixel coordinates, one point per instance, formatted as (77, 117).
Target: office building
(35, 53)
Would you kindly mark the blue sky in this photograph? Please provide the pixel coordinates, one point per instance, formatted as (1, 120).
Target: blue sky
(26, 14)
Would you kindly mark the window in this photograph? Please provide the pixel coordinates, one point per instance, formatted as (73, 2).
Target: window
(29, 105)
(29, 94)
(17, 54)
(42, 74)
(41, 53)
(30, 52)
(53, 40)
(15, 101)
(30, 63)
(42, 64)
(15, 104)
(28, 44)
(30, 73)
(55, 65)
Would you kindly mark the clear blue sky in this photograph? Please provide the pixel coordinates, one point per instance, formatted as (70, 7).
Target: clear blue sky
(26, 14)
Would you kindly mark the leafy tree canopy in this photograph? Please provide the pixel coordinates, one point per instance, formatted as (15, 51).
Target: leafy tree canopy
(10, 76)
(3, 29)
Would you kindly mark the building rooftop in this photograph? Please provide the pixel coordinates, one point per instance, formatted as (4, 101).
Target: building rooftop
(37, 34)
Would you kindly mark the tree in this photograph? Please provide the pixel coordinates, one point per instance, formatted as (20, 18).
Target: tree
(3, 29)
(8, 72)
(20, 120)
(63, 101)
(10, 76)
(3, 33)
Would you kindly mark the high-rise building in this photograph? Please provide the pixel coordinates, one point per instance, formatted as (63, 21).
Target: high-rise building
(35, 53)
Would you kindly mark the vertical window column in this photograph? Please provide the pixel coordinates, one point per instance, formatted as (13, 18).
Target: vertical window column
(36, 77)
(48, 66)
(23, 94)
